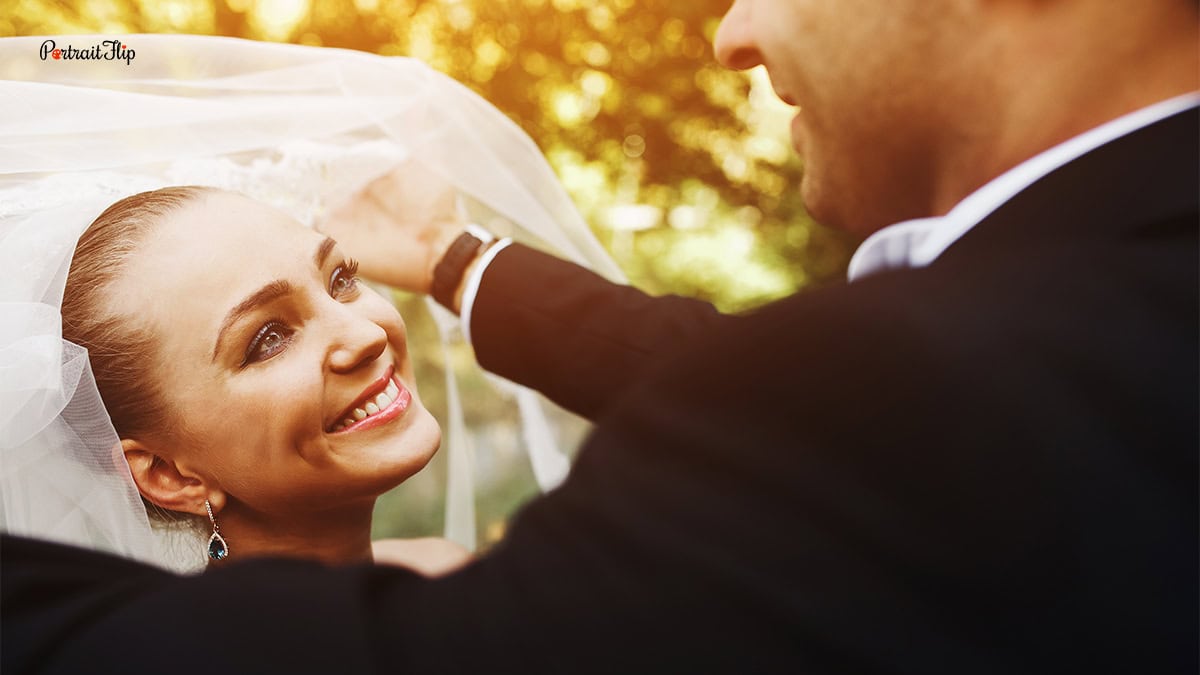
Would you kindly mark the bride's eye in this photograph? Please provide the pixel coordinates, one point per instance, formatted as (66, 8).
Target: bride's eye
(344, 280)
(267, 342)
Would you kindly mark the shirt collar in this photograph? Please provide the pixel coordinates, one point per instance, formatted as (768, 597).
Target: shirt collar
(917, 243)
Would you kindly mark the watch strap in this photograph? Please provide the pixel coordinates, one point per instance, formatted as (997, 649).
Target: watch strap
(448, 274)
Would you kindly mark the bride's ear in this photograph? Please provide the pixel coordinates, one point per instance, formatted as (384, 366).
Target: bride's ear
(164, 483)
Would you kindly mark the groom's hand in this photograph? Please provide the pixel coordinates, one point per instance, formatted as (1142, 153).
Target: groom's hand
(398, 226)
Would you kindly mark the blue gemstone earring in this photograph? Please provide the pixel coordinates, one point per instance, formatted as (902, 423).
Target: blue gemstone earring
(217, 548)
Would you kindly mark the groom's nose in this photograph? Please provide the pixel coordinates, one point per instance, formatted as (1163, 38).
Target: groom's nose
(734, 45)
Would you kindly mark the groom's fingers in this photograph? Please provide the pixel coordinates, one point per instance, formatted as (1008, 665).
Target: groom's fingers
(414, 195)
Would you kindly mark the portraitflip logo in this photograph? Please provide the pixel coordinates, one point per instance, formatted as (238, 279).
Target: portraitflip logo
(109, 50)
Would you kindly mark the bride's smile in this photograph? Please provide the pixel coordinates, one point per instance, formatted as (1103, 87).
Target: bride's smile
(385, 400)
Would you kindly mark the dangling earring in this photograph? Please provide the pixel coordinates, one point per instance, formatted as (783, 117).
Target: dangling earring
(217, 548)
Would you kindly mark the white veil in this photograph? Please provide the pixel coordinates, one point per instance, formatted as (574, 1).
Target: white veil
(297, 127)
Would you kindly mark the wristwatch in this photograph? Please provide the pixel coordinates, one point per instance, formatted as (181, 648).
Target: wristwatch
(448, 274)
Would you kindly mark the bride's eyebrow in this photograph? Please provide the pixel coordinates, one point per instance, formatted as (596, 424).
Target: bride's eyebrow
(323, 251)
(272, 291)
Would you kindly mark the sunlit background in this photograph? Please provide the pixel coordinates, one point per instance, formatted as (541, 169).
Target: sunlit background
(682, 168)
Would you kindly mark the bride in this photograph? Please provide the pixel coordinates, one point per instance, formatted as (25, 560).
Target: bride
(253, 385)
(273, 391)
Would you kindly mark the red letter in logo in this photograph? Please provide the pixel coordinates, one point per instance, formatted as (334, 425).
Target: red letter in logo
(57, 54)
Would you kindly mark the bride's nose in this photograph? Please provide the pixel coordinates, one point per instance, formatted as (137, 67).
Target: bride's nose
(356, 341)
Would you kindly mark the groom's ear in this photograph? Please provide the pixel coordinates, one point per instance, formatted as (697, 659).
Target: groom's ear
(163, 482)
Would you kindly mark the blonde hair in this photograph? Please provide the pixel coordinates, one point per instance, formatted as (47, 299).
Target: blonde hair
(121, 353)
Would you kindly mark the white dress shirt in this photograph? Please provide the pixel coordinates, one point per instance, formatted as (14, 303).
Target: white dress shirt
(916, 243)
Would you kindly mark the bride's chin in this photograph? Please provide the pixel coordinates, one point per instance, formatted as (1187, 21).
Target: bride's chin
(397, 455)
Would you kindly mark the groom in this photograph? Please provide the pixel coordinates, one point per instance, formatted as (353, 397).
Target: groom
(978, 456)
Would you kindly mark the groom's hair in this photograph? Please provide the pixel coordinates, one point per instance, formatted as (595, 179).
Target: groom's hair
(122, 353)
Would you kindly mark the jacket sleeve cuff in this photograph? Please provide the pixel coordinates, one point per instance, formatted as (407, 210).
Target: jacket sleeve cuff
(474, 279)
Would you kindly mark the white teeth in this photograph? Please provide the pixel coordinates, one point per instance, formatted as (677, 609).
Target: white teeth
(372, 407)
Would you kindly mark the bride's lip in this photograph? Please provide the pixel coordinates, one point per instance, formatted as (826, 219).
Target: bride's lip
(385, 411)
(394, 410)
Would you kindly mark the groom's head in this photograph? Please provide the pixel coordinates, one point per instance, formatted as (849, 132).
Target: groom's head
(907, 106)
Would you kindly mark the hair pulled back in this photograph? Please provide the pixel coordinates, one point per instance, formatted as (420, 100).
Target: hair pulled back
(121, 353)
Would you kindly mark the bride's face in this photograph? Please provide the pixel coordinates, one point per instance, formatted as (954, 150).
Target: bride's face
(266, 348)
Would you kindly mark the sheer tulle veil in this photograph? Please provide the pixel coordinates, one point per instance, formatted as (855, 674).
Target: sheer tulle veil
(297, 127)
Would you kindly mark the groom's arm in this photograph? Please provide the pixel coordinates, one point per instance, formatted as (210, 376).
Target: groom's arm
(574, 336)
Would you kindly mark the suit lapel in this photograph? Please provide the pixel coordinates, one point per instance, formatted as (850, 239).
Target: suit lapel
(1129, 186)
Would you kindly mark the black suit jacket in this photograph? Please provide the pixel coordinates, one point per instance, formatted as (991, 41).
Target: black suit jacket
(985, 466)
